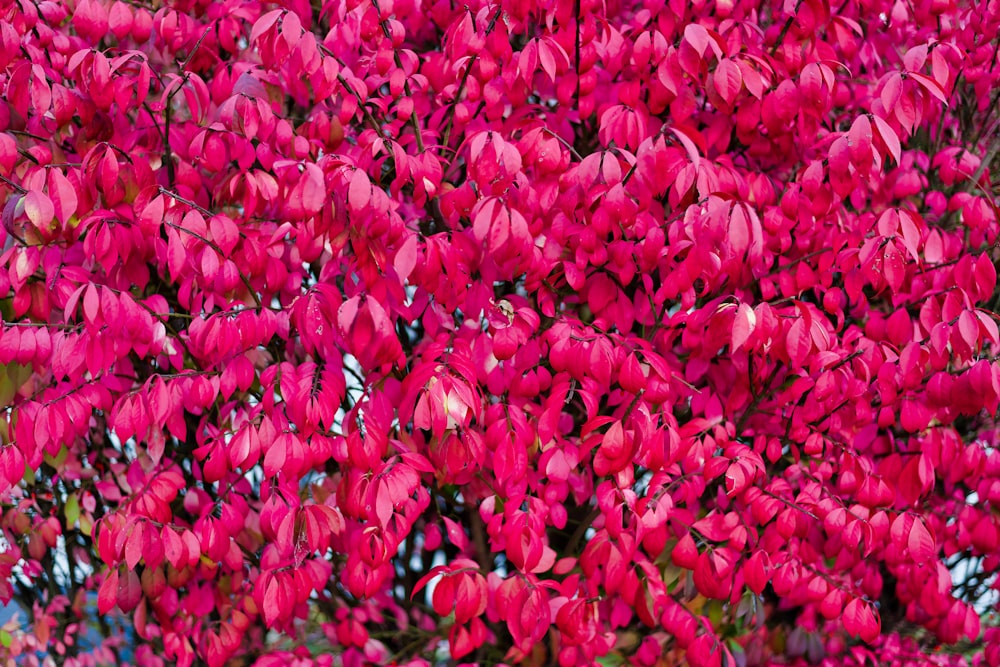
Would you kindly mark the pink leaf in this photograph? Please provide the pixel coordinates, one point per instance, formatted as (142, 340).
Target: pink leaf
(265, 23)
(313, 189)
(456, 534)
(107, 595)
(406, 257)
(743, 325)
(920, 543)
(930, 85)
(860, 139)
(728, 80)
(697, 36)
(861, 620)
(798, 341)
(39, 209)
(360, 192)
(63, 195)
(427, 578)
(91, 305)
(890, 92)
(888, 137)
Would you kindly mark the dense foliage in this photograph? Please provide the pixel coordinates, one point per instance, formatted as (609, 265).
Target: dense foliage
(374, 331)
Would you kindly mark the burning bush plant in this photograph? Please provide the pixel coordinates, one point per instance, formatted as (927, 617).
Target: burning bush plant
(562, 332)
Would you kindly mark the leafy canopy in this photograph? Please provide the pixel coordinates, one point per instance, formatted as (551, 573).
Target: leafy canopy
(544, 332)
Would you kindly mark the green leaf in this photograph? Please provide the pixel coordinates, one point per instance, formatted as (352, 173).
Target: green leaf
(12, 377)
(57, 460)
(715, 610)
(86, 524)
(72, 510)
(7, 388)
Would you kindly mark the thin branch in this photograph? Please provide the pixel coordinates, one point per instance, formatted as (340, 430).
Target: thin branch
(182, 65)
(581, 530)
(13, 185)
(565, 143)
(406, 83)
(211, 244)
(446, 137)
(785, 28)
(577, 49)
(183, 200)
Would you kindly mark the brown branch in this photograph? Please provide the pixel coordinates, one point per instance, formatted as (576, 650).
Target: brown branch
(446, 137)
(13, 185)
(183, 64)
(581, 530)
(406, 83)
(211, 244)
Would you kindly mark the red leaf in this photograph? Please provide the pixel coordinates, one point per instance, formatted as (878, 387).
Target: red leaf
(799, 342)
(890, 92)
(499, 230)
(832, 605)
(274, 458)
(546, 59)
(705, 651)
(460, 642)
(360, 192)
(225, 233)
(456, 534)
(615, 451)
(914, 416)
(62, 194)
(405, 259)
(861, 620)
(107, 595)
(173, 547)
(383, 504)
(272, 598)
(313, 189)
(728, 80)
(443, 598)
(743, 325)
(697, 36)
(888, 137)
(535, 617)
(860, 139)
(265, 23)
(109, 170)
(930, 85)
(921, 543)
(464, 640)
(120, 20)
(685, 554)
(630, 376)
(39, 209)
(129, 591)
(177, 255)
(134, 545)
(8, 154)
(986, 281)
(424, 580)
(737, 479)
(91, 305)
(756, 571)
